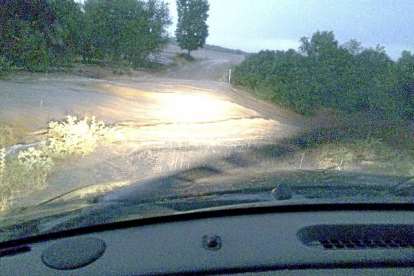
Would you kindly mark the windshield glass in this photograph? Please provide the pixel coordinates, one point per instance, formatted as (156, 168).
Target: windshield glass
(149, 102)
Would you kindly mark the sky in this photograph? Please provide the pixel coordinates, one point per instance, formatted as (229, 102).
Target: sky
(254, 25)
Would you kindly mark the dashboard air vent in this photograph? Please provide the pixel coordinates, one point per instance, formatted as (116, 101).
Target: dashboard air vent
(354, 237)
(364, 243)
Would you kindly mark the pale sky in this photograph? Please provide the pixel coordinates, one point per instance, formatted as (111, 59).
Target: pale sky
(254, 25)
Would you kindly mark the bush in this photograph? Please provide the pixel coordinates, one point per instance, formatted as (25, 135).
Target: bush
(2, 162)
(29, 172)
(126, 30)
(186, 57)
(28, 34)
(44, 34)
(327, 75)
(75, 137)
(34, 54)
(4, 64)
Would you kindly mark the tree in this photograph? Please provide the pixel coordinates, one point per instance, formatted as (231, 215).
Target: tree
(321, 45)
(69, 27)
(192, 30)
(349, 78)
(354, 47)
(27, 34)
(36, 35)
(125, 30)
(405, 74)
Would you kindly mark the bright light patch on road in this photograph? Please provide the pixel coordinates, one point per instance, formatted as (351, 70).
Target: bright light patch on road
(175, 107)
(184, 108)
(231, 132)
(186, 115)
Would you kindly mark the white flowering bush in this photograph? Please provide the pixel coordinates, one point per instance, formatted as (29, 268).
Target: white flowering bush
(2, 163)
(78, 137)
(4, 197)
(30, 170)
(33, 159)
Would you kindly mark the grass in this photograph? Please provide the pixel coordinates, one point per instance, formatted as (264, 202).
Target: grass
(6, 136)
(185, 57)
(370, 156)
(29, 170)
(180, 59)
(379, 147)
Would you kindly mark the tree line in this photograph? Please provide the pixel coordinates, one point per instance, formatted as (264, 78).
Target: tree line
(324, 74)
(38, 35)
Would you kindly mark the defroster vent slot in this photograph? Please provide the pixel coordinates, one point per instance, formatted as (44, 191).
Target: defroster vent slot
(358, 237)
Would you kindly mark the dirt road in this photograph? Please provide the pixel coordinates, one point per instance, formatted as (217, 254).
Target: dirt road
(183, 118)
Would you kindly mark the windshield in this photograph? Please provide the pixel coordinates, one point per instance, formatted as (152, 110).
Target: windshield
(150, 102)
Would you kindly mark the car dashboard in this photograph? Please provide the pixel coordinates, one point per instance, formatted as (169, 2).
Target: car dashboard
(285, 240)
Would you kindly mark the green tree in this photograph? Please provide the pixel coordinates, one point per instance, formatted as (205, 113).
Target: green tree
(405, 77)
(321, 45)
(27, 34)
(192, 29)
(69, 28)
(36, 35)
(125, 30)
(323, 75)
(354, 47)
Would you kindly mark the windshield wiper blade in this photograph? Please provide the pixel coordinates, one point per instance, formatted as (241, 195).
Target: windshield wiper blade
(285, 194)
(282, 192)
(405, 188)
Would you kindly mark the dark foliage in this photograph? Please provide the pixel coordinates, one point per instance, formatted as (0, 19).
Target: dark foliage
(39, 35)
(28, 33)
(325, 75)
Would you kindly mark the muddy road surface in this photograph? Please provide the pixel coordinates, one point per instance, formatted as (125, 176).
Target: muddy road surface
(173, 121)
